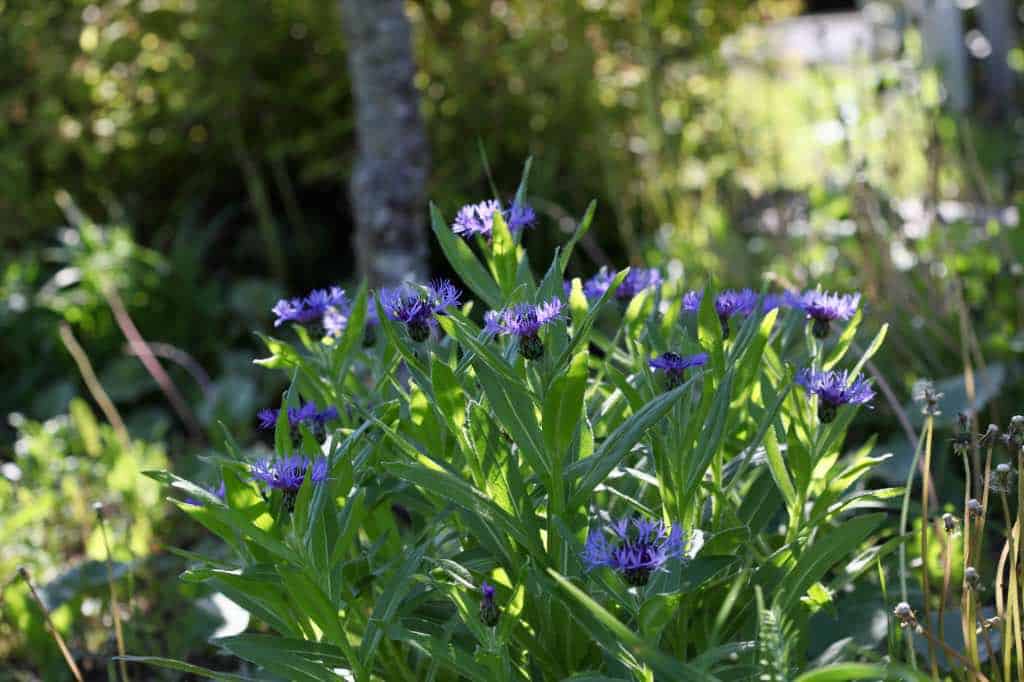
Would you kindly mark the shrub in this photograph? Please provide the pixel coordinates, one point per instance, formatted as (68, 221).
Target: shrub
(597, 481)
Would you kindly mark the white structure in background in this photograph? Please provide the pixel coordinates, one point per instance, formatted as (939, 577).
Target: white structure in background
(942, 30)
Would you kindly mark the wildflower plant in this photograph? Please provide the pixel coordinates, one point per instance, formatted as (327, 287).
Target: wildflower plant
(522, 498)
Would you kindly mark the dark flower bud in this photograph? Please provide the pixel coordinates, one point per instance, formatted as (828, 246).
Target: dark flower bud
(949, 522)
(489, 611)
(531, 347)
(821, 328)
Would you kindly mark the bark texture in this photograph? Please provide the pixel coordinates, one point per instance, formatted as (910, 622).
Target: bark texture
(388, 185)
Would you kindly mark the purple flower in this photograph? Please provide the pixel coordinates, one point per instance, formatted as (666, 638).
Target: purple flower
(825, 307)
(524, 320)
(288, 473)
(675, 365)
(635, 281)
(416, 309)
(728, 303)
(639, 547)
(478, 219)
(308, 414)
(219, 492)
(834, 388)
(519, 217)
(489, 611)
(786, 299)
(310, 311)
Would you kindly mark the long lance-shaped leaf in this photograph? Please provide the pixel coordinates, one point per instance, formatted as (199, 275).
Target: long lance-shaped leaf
(837, 544)
(615, 447)
(612, 635)
(181, 666)
(296, 659)
(514, 410)
(581, 230)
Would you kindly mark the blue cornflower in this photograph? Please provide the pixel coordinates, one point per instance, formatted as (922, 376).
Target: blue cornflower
(635, 555)
(308, 414)
(525, 321)
(784, 300)
(825, 307)
(489, 611)
(834, 388)
(728, 303)
(478, 219)
(416, 309)
(219, 492)
(675, 365)
(310, 311)
(288, 473)
(635, 281)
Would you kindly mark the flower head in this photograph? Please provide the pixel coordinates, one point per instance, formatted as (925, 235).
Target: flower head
(416, 309)
(478, 219)
(310, 311)
(288, 473)
(728, 303)
(524, 320)
(786, 299)
(638, 548)
(826, 307)
(308, 414)
(636, 280)
(674, 365)
(489, 612)
(834, 388)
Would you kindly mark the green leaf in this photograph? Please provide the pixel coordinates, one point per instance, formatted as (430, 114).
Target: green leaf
(503, 255)
(709, 330)
(581, 230)
(296, 659)
(513, 407)
(181, 666)
(462, 260)
(282, 354)
(563, 405)
(843, 344)
(876, 343)
(815, 562)
(524, 181)
(616, 446)
(847, 672)
(617, 635)
(777, 467)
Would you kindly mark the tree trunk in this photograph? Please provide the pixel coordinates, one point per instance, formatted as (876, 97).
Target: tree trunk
(389, 178)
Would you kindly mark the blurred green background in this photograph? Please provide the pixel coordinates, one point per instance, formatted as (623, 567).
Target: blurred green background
(193, 157)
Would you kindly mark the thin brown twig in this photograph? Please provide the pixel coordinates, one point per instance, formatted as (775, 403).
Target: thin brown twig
(150, 362)
(92, 382)
(68, 658)
(118, 631)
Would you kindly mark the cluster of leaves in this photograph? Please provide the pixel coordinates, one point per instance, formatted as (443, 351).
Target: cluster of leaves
(455, 461)
(63, 465)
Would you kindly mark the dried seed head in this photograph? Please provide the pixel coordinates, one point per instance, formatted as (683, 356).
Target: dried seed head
(927, 397)
(988, 439)
(905, 615)
(949, 522)
(974, 508)
(971, 577)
